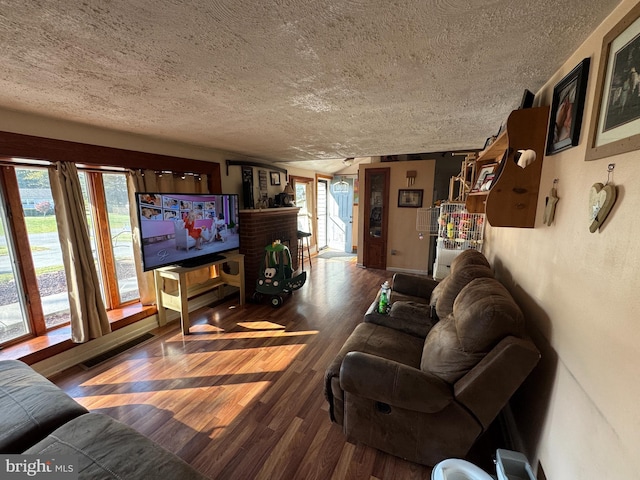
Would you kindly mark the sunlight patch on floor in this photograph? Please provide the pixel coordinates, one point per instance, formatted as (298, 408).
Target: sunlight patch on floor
(198, 337)
(261, 325)
(205, 328)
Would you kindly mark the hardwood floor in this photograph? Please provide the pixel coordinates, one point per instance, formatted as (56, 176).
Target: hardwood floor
(242, 396)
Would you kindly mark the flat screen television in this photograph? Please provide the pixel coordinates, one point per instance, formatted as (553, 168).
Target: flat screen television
(187, 230)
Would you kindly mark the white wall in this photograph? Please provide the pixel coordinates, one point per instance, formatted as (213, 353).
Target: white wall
(580, 412)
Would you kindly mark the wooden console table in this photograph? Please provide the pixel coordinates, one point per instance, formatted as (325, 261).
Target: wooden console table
(178, 300)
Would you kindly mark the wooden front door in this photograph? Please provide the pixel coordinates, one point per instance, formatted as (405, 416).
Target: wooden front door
(376, 197)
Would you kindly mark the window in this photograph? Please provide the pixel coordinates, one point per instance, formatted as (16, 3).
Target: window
(44, 243)
(13, 320)
(111, 236)
(107, 210)
(34, 297)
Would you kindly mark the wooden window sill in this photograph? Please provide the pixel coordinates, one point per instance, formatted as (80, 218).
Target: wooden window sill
(58, 340)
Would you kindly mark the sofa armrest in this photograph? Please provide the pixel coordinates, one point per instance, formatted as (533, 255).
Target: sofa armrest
(32, 407)
(413, 285)
(393, 383)
(487, 388)
(104, 448)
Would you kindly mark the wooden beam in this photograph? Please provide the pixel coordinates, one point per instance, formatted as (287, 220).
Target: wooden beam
(244, 163)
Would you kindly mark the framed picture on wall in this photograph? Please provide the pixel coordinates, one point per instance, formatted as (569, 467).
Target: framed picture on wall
(566, 109)
(615, 122)
(484, 172)
(410, 198)
(275, 178)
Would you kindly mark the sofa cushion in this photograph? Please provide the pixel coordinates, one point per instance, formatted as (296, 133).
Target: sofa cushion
(469, 257)
(106, 448)
(443, 356)
(483, 314)
(412, 287)
(31, 406)
(413, 318)
(403, 297)
(454, 283)
(436, 292)
(464, 259)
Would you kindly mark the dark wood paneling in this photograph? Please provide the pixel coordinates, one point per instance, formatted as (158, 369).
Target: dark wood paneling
(40, 148)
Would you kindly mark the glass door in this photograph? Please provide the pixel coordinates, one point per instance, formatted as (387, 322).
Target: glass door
(376, 197)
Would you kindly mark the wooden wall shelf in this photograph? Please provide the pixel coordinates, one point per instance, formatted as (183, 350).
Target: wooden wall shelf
(513, 197)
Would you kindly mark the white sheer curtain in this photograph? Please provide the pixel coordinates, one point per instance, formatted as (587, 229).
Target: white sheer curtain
(152, 181)
(88, 314)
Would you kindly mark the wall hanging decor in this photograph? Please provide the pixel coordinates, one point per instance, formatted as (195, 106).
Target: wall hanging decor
(410, 198)
(566, 109)
(601, 200)
(550, 205)
(615, 124)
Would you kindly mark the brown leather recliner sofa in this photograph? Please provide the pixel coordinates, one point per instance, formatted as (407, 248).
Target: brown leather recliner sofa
(427, 397)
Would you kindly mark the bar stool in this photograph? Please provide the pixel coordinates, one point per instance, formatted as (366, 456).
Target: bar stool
(301, 236)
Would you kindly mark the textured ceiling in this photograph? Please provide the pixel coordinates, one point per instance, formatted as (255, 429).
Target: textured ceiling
(289, 80)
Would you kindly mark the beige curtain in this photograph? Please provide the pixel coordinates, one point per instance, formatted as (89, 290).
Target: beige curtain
(88, 314)
(151, 181)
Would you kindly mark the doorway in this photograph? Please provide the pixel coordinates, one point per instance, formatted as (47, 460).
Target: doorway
(340, 215)
(376, 212)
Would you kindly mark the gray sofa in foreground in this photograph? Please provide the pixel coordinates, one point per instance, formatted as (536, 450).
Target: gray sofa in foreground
(38, 418)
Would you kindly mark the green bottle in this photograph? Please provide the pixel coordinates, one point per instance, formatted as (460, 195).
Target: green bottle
(384, 299)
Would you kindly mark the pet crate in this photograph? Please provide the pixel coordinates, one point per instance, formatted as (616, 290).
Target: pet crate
(456, 230)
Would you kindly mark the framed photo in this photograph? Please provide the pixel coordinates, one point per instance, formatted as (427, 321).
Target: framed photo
(566, 109)
(615, 124)
(410, 198)
(488, 180)
(483, 174)
(275, 178)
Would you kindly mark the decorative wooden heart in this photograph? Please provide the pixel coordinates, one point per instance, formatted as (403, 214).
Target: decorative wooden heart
(601, 200)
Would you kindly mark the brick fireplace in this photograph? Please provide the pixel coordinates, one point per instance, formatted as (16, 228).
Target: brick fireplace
(259, 228)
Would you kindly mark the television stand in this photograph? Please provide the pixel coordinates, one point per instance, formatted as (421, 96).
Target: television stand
(178, 300)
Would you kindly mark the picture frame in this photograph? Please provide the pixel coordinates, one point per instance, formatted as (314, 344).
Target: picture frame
(275, 178)
(567, 107)
(527, 99)
(488, 181)
(615, 121)
(483, 173)
(410, 198)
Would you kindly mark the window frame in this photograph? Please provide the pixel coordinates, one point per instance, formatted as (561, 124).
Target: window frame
(26, 271)
(19, 150)
(106, 257)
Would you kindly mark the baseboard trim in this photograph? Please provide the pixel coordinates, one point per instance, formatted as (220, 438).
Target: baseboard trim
(85, 351)
(409, 270)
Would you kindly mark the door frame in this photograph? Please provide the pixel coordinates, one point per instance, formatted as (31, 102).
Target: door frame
(311, 206)
(368, 173)
(327, 179)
